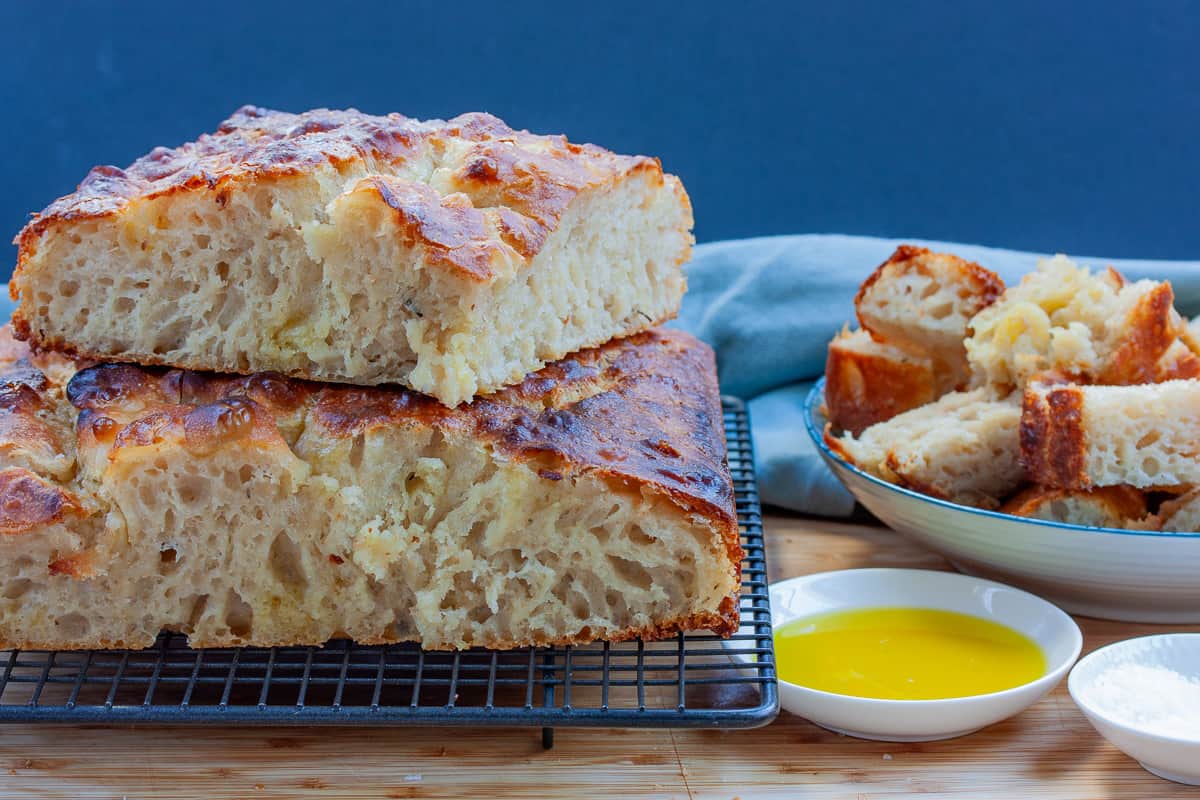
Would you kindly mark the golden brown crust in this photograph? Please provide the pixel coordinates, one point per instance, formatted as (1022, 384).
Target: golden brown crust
(835, 443)
(724, 622)
(1178, 363)
(530, 179)
(27, 439)
(1188, 332)
(28, 502)
(643, 411)
(863, 388)
(453, 231)
(1115, 279)
(898, 475)
(985, 284)
(1053, 445)
(1184, 500)
(1153, 326)
(1120, 502)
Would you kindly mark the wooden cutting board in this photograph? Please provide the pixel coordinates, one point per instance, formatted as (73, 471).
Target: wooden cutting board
(1048, 751)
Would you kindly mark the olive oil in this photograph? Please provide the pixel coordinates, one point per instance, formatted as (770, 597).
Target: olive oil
(905, 654)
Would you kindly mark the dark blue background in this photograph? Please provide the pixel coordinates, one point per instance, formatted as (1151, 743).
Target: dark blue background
(1047, 126)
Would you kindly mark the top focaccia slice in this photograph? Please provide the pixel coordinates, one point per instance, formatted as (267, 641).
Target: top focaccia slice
(453, 257)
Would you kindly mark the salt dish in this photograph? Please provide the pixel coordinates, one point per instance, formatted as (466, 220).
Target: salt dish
(1143, 695)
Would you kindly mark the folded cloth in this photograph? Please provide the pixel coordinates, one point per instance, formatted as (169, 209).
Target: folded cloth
(770, 305)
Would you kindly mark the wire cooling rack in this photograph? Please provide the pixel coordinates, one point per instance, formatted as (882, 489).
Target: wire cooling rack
(687, 681)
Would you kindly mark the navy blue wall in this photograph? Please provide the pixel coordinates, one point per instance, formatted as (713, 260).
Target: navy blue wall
(1049, 126)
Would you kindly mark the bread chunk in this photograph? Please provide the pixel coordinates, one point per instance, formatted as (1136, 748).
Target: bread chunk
(868, 381)
(452, 257)
(1096, 328)
(1077, 437)
(922, 301)
(1190, 335)
(1180, 514)
(590, 501)
(1180, 362)
(1104, 507)
(964, 448)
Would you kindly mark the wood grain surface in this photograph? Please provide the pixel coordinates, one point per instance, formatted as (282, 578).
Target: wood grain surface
(1048, 751)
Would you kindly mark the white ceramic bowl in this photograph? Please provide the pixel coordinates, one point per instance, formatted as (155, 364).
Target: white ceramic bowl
(922, 720)
(1136, 576)
(1175, 758)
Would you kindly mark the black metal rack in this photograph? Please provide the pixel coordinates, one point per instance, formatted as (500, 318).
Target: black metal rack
(691, 680)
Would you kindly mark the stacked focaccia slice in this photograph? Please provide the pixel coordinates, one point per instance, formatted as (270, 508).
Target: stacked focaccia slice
(556, 484)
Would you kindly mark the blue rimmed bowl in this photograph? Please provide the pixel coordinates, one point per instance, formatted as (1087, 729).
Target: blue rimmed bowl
(1134, 576)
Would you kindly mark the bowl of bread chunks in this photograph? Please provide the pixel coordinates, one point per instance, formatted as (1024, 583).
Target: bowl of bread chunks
(1046, 433)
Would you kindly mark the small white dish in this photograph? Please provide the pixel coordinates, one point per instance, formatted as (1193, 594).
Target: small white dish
(1174, 757)
(1135, 576)
(921, 720)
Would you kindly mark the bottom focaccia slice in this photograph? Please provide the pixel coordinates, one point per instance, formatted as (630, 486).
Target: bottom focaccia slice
(1077, 437)
(963, 447)
(591, 501)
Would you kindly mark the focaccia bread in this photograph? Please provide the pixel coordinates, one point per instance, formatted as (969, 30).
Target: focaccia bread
(1094, 327)
(922, 301)
(963, 447)
(1077, 437)
(1180, 514)
(1103, 507)
(868, 381)
(590, 501)
(1179, 362)
(450, 257)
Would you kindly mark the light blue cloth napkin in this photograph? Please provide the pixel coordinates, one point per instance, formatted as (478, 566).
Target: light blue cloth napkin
(770, 305)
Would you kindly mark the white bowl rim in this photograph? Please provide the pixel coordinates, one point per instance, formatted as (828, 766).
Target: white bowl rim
(1056, 672)
(817, 394)
(1091, 709)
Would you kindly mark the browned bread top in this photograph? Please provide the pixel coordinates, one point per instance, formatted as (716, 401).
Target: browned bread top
(985, 286)
(482, 186)
(1106, 506)
(1152, 326)
(867, 381)
(923, 302)
(382, 493)
(642, 412)
(31, 501)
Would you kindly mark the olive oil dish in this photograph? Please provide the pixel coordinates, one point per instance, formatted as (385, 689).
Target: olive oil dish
(896, 653)
(927, 613)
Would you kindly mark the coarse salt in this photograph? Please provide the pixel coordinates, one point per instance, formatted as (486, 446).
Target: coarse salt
(1154, 699)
